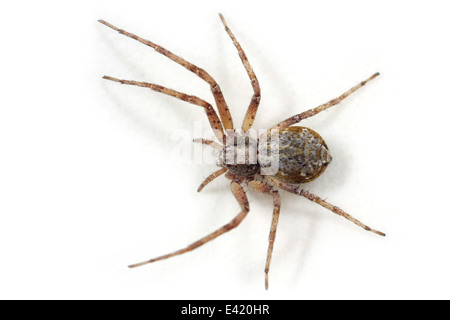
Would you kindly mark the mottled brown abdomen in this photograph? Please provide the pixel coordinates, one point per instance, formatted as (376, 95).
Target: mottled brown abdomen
(303, 155)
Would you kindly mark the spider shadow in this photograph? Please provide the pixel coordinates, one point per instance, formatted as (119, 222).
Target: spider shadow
(269, 76)
(148, 119)
(298, 245)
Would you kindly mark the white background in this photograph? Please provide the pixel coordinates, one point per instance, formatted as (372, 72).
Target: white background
(89, 182)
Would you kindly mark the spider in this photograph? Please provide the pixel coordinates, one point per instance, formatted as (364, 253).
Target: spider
(301, 154)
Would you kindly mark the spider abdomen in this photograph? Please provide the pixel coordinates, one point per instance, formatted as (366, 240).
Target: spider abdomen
(302, 154)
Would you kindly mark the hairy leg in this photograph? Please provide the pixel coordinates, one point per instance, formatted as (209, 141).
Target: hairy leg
(211, 143)
(241, 198)
(299, 191)
(224, 112)
(265, 188)
(254, 103)
(211, 177)
(214, 121)
(312, 112)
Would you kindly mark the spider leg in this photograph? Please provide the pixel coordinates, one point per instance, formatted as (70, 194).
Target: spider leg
(241, 198)
(299, 191)
(211, 143)
(211, 177)
(224, 112)
(312, 112)
(266, 188)
(254, 103)
(214, 121)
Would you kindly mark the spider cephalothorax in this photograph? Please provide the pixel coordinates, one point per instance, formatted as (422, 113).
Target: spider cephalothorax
(240, 155)
(282, 157)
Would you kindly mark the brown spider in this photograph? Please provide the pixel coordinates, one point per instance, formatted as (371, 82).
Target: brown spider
(300, 153)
